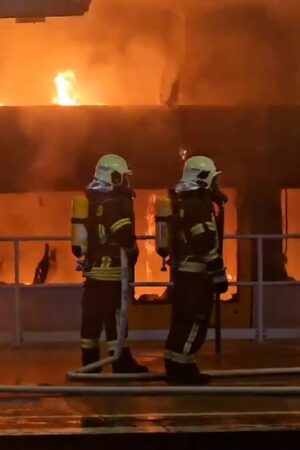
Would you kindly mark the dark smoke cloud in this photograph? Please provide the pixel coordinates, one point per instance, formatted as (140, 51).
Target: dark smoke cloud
(243, 52)
(117, 53)
(212, 52)
(130, 52)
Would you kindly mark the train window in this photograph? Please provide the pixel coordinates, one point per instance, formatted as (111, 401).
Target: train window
(291, 224)
(48, 214)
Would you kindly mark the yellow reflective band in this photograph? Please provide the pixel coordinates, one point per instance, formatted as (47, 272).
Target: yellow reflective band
(211, 226)
(119, 224)
(191, 339)
(102, 234)
(100, 210)
(197, 229)
(105, 262)
(188, 266)
(104, 274)
(103, 277)
(89, 343)
(106, 269)
(213, 254)
(179, 357)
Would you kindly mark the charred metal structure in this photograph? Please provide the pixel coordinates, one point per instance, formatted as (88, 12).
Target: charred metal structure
(45, 8)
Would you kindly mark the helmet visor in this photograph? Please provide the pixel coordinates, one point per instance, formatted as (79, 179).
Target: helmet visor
(119, 179)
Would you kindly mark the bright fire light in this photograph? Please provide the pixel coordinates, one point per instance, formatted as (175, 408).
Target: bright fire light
(65, 83)
(149, 245)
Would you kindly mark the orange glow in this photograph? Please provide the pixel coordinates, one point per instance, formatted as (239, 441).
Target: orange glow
(65, 83)
(57, 204)
(68, 92)
(150, 230)
(183, 153)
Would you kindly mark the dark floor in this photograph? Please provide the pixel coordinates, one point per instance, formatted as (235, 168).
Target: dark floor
(158, 415)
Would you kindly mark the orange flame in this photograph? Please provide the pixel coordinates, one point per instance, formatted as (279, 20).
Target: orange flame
(183, 153)
(230, 277)
(149, 245)
(65, 83)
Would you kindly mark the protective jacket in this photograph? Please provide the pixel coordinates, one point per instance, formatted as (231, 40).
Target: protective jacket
(110, 226)
(195, 242)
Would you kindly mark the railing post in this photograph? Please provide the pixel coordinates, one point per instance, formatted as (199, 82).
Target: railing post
(17, 295)
(260, 290)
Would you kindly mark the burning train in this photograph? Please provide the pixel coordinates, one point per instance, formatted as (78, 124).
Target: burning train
(131, 81)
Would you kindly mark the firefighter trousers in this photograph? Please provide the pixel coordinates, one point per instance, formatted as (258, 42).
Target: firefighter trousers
(192, 304)
(100, 310)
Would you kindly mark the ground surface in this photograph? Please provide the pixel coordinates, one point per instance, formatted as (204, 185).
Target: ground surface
(113, 416)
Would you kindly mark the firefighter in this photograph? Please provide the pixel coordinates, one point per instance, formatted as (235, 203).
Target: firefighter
(197, 268)
(98, 238)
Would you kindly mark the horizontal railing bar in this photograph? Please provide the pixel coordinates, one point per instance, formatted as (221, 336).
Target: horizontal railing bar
(149, 284)
(148, 237)
(242, 236)
(34, 239)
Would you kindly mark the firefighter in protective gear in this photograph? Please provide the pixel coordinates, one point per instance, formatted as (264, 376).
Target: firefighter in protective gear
(197, 268)
(97, 240)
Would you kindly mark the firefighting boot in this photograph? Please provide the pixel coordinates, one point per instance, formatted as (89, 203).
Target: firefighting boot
(127, 364)
(184, 374)
(89, 356)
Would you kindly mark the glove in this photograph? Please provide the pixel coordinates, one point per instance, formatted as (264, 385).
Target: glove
(220, 282)
(83, 266)
(79, 265)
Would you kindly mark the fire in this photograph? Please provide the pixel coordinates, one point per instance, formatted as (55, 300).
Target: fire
(149, 245)
(65, 83)
(68, 92)
(183, 153)
(230, 277)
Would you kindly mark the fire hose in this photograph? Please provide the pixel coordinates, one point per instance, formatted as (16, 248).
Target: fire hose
(82, 373)
(150, 390)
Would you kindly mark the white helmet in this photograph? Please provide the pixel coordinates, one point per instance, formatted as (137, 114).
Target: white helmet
(198, 171)
(109, 172)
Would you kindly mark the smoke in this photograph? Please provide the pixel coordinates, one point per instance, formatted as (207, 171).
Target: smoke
(126, 52)
(116, 51)
(132, 52)
(243, 52)
(54, 141)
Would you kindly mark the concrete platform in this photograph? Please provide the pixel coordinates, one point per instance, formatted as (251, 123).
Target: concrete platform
(44, 421)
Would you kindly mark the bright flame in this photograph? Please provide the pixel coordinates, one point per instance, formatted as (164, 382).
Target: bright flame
(65, 83)
(149, 245)
(183, 153)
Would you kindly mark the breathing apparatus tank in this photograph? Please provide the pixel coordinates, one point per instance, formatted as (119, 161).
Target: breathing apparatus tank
(79, 235)
(163, 216)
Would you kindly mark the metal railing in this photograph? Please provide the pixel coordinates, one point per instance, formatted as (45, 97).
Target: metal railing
(259, 284)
